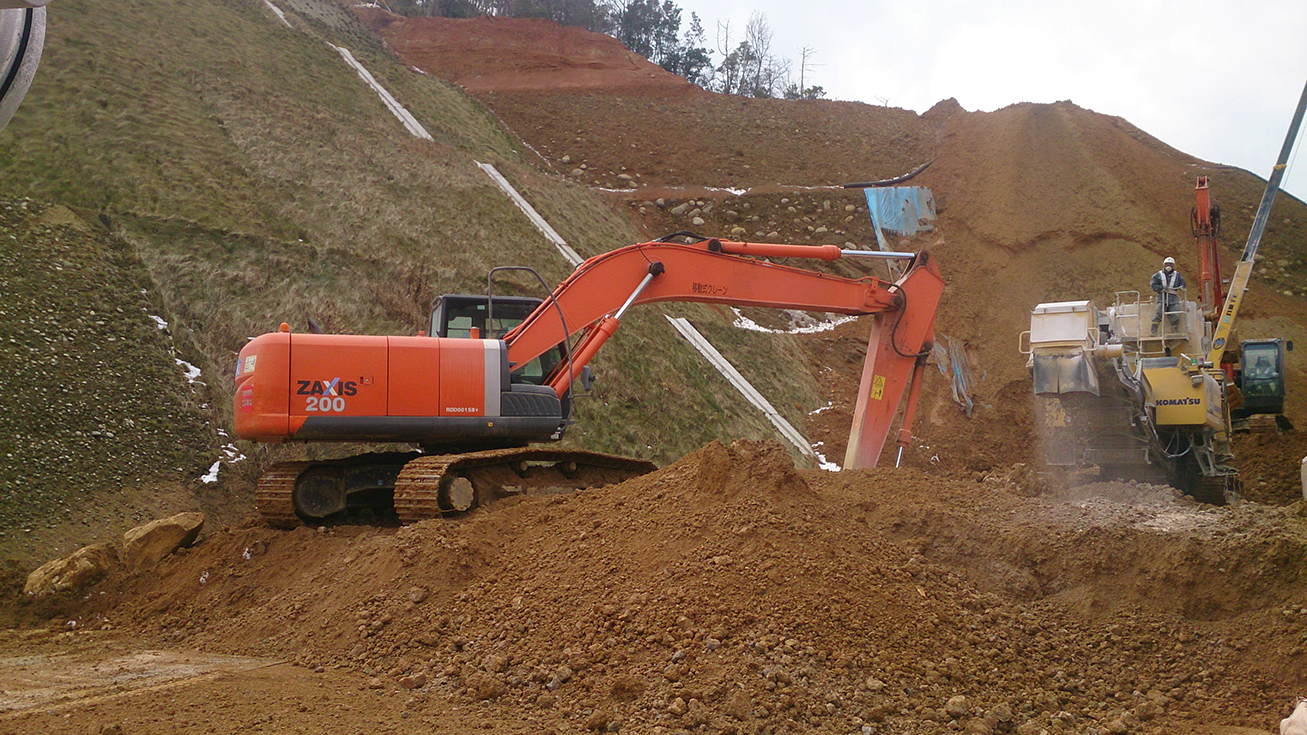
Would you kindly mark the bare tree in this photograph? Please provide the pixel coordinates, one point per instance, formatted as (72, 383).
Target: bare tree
(805, 53)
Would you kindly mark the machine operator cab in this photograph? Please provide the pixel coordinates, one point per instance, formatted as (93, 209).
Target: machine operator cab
(457, 315)
(1261, 377)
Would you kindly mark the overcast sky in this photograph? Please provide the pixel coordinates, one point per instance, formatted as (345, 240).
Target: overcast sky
(1217, 80)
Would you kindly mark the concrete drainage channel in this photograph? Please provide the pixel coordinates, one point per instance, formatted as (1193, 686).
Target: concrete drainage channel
(683, 327)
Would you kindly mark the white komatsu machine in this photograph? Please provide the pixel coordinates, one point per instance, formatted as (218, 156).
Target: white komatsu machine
(1113, 395)
(1144, 390)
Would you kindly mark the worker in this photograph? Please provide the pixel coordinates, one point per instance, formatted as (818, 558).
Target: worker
(1262, 369)
(1167, 284)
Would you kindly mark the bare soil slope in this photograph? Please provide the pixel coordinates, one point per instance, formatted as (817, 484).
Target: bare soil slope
(519, 54)
(729, 592)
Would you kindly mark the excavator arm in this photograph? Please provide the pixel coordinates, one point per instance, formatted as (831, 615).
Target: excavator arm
(592, 301)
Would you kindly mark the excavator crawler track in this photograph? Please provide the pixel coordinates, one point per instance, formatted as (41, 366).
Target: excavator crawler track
(429, 486)
(275, 495)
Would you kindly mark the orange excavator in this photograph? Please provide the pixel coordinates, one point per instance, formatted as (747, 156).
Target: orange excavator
(497, 373)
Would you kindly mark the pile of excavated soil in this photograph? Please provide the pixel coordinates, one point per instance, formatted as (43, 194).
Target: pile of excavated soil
(729, 592)
(1270, 466)
(518, 54)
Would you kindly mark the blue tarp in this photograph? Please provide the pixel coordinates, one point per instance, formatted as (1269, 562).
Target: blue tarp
(901, 210)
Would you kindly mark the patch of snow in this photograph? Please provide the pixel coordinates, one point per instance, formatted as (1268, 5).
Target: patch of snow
(733, 192)
(744, 322)
(212, 475)
(192, 372)
(277, 11)
(159, 322)
(822, 462)
(816, 411)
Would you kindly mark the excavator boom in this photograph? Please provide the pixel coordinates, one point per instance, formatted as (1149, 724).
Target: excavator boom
(703, 272)
(1244, 270)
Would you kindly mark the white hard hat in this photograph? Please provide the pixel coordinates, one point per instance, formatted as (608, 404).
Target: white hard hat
(1168, 261)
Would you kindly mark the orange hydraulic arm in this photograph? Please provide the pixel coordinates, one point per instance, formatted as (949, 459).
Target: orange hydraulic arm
(594, 298)
(1206, 224)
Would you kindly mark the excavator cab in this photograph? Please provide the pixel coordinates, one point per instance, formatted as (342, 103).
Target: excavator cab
(1261, 377)
(457, 315)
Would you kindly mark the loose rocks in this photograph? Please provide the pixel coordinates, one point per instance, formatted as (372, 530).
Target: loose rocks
(79, 568)
(145, 546)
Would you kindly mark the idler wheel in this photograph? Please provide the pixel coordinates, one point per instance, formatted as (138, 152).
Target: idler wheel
(458, 494)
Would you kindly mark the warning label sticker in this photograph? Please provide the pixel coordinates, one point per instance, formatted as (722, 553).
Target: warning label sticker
(877, 387)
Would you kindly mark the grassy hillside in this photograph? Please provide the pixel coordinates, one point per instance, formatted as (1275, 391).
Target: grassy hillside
(96, 417)
(250, 177)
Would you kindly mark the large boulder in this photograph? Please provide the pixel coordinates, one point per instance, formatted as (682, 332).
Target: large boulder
(145, 546)
(79, 568)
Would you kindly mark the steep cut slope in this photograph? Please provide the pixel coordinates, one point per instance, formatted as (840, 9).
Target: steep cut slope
(256, 179)
(519, 54)
(87, 373)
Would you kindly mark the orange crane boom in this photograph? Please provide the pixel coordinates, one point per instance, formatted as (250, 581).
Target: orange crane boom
(1206, 224)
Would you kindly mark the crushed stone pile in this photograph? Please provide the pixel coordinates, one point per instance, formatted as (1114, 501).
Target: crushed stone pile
(730, 592)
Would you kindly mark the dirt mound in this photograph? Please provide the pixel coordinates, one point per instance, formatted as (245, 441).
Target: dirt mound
(519, 54)
(1271, 466)
(732, 591)
(1030, 173)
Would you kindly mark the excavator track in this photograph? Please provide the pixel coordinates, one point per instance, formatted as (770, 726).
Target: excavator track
(428, 486)
(435, 485)
(275, 494)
